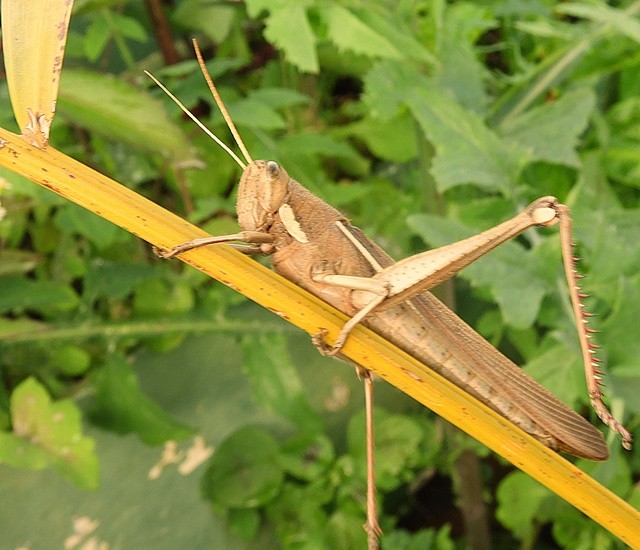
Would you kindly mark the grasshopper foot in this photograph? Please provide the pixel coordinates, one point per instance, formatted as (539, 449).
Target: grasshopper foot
(328, 350)
(164, 253)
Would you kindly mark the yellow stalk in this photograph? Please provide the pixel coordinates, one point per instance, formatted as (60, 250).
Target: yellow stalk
(161, 228)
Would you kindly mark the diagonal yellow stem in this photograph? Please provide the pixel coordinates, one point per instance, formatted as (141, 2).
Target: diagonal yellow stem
(161, 228)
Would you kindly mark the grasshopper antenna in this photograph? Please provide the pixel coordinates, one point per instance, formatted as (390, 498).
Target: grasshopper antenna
(194, 118)
(223, 109)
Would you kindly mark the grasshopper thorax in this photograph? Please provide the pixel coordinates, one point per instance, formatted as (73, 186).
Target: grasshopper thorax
(262, 190)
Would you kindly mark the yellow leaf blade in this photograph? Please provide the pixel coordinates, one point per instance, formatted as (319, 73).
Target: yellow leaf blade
(34, 37)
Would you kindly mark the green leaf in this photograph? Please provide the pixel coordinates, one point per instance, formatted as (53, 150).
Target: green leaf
(157, 297)
(396, 31)
(244, 471)
(348, 32)
(255, 114)
(275, 381)
(120, 112)
(551, 131)
(18, 293)
(244, 522)
(121, 406)
(114, 279)
(622, 160)
(213, 20)
(344, 530)
(393, 140)
(285, 15)
(459, 69)
(400, 539)
(70, 360)
(47, 433)
(279, 98)
(306, 456)
(467, 151)
(626, 24)
(97, 230)
(299, 517)
(98, 34)
(519, 500)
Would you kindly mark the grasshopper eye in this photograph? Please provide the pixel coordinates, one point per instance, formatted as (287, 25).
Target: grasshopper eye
(273, 169)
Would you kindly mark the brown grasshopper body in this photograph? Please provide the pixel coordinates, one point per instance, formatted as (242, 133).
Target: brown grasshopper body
(307, 238)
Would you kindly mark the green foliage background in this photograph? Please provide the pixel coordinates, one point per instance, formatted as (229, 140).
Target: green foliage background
(425, 122)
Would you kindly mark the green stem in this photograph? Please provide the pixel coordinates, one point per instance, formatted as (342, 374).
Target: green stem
(139, 329)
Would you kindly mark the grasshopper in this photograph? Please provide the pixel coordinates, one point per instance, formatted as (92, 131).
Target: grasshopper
(314, 245)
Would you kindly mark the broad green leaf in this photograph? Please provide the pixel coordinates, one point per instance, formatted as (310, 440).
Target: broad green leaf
(519, 500)
(393, 140)
(299, 517)
(121, 112)
(49, 433)
(503, 269)
(244, 522)
(114, 279)
(244, 471)
(275, 382)
(460, 70)
(621, 21)
(620, 335)
(348, 32)
(622, 160)
(156, 297)
(17, 293)
(255, 114)
(121, 406)
(75, 219)
(395, 30)
(213, 20)
(129, 27)
(284, 16)
(342, 531)
(96, 38)
(467, 151)
(399, 539)
(388, 85)
(279, 98)
(550, 132)
(307, 457)
(70, 360)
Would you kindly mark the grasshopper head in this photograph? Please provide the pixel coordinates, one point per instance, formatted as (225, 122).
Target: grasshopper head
(262, 190)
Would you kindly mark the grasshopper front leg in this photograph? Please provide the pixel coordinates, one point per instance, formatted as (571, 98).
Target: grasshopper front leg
(253, 242)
